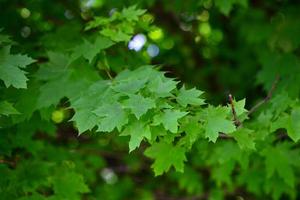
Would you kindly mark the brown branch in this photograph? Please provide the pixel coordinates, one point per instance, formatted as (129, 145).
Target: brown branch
(13, 164)
(268, 97)
(224, 136)
(237, 122)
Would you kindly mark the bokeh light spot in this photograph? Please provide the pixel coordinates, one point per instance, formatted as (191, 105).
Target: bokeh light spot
(204, 29)
(148, 18)
(152, 50)
(137, 42)
(69, 14)
(204, 16)
(25, 13)
(109, 176)
(156, 34)
(25, 31)
(168, 44)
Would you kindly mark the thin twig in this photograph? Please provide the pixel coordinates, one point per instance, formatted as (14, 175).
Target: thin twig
(7, 162)
(237, 122)
(268, 97)
(224, 136)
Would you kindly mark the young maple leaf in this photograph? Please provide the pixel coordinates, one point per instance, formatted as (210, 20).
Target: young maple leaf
(11, 68)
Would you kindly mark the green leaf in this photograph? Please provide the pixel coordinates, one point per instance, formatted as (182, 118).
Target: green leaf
(63, 80)
(169, 119)
(226, 6)
(117, 36)
(239, 107)
(244, 138)
(11, 68)
(223, 173)
(111, 116)
(132, 13)
(130, 86)
(7, 108)
(162, 87)
(4, 39)
(85, 120)
(190, 180)
(216, 121)
(68, 184)
(139, 105)
(191, 97)
(166, 155)
(289, 122)
(89, 50)
(193, 130)
(137, 132)
(278, 159)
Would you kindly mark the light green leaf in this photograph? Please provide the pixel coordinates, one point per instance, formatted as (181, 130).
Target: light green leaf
(137, 132)
(132, 13)
(226, 6)
(85, 120)
(7, 108)
(11, 68)
(166, 155)
(130, 86)
(89, 50)
(244, 138)
(191, 97)
(290, 122)
(169, 119)
(111, 116)
(216, 121)
(240, 107)
(277, 159)
(139, 105)
(162, 87)
(115, 35)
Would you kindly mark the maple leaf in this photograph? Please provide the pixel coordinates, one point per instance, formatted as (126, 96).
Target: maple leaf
(7, 108)
(226, 6)
(166, 155)
(137, 132)
(89, 50)
(189, 180)
(139, 105)
(193, 130)
(85, 120)
(169, 119)
(11, 68)
(289, 122)
(278, 159)
(68, 184)
(239, 107)
(162, 87)
(132, 13)
(191, 97)
(111, 116)
(63, 80)
(244, 138)
(130, 86)
(216, 121)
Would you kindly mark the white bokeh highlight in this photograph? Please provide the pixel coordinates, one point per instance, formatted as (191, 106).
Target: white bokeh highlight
(137, 42)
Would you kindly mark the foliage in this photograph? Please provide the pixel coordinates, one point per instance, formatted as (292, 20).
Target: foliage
(69, 87)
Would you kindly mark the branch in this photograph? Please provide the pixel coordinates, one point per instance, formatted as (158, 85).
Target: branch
(237, 122)
(224, 136)
(13, 164)
(268, 97)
